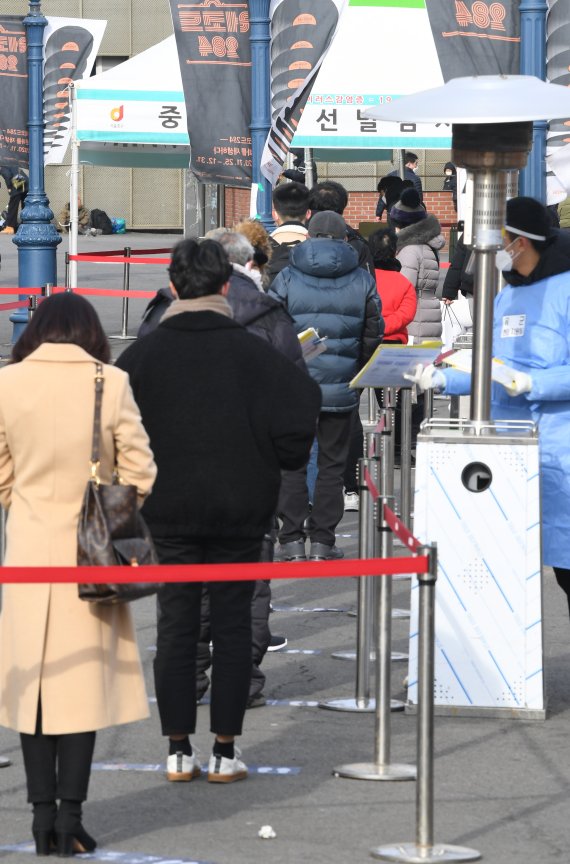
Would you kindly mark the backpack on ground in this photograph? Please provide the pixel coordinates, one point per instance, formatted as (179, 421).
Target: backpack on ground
(119, 225)
(100, 220)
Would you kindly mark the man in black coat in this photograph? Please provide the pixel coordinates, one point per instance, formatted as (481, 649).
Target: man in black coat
(225, 413)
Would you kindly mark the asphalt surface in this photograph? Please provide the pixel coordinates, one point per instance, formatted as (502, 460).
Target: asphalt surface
(501, 786)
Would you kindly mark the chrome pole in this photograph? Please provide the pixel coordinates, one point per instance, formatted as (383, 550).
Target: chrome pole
(365, 599)
(381, 768)
(423, 851)
(126, 282)
(406, 456)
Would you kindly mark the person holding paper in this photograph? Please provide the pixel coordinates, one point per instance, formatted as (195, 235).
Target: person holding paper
(325, 288)
(531, 335)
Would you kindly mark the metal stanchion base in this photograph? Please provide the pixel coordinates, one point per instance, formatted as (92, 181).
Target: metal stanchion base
(123, 338)
(4, 762)
(370, 771)
(424, 854)
(396, 656)
(362, 705)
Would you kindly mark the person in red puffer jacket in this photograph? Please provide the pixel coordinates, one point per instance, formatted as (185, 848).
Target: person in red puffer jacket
(397, 293)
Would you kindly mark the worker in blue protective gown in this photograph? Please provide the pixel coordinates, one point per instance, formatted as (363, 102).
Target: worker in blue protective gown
(531, 333)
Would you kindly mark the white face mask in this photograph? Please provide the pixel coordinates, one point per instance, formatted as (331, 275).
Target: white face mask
(504, 259)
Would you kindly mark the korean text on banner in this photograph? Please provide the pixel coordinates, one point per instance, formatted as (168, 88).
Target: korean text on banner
(476, 38)
(215, 63)
(13, 92)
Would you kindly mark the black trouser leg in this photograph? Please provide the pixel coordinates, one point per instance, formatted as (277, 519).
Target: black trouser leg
(563, 579)
(74, 757)
(260, 633)
(333, 436)
(355, 452)
(203, 655)
(179, 630)
(14, 203)
(293, 505)
(57, 766)
(40, 757)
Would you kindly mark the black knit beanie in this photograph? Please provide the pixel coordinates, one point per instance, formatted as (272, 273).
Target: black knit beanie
(527, 217)
(408, 209)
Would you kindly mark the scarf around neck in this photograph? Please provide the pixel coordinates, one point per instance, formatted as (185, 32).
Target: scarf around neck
(209, 303)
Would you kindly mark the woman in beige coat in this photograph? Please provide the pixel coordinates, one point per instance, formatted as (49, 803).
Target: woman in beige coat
(67, 667)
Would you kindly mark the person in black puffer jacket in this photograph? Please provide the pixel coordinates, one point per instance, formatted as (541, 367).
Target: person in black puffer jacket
(324, 287)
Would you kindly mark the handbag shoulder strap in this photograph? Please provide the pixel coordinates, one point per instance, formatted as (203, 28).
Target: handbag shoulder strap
(96, 443)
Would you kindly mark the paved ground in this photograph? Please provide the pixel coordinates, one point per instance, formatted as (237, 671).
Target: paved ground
(502, 786)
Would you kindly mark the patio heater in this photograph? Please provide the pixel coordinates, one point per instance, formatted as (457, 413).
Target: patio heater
(477, 483)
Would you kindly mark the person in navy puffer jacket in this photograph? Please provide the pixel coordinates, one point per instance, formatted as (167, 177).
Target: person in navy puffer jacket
(324, 287)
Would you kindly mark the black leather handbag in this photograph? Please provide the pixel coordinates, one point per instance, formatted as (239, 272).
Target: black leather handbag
(111, 530)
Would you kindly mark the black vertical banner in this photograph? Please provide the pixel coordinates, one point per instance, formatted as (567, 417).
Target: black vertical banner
(14, 146)
(476, 38)
(215, 62)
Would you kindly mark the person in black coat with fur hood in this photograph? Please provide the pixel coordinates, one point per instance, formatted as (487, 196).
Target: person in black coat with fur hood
(225, 413)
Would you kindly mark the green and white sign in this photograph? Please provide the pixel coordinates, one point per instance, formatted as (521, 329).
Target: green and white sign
(383, 49)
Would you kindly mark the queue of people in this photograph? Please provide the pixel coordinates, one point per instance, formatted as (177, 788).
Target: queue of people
(249, 393)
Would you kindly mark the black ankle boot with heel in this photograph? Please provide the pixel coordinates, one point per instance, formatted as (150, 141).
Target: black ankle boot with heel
(45, 813)
(70, 835)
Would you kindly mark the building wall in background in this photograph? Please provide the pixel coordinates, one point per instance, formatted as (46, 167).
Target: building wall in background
(154, 198)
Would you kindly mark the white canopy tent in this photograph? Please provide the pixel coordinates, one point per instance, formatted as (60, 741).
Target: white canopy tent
(132, 116)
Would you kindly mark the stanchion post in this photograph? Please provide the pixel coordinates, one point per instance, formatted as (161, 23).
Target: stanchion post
(47, 289)
(381, 768)
(32, 306)
(67, 270)
(424, 851)
(426, 631)
(406, 456)
(428, 404)
(365, 589)
(126, 283)
(365, 605)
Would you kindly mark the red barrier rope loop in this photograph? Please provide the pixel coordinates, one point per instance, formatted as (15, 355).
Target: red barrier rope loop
(218, 572)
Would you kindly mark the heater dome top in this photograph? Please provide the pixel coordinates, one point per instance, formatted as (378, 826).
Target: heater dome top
(480, 99)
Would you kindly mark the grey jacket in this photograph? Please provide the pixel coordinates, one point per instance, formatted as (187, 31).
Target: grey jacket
(418, 246)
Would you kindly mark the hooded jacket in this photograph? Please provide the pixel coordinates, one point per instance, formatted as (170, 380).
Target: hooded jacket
(531, 333)
(418, 248)
(324, 287)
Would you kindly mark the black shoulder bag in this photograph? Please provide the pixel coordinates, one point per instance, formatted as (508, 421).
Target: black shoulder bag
(111, 530)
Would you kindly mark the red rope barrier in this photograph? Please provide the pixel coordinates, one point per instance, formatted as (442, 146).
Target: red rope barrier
(19, 304)
(26, 291)
(111, 252)
(218, 572)
(107, 292)
(151, 251)
(98, 292)
(400, 530)
(118, 260)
